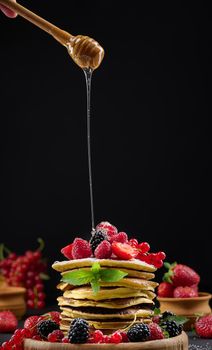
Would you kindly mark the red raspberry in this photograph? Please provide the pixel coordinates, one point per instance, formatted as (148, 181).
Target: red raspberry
(31, 324)
(185, 292)
(203, 326)
(56, 336)
(119, 237)
(8, 322)
(67, 251)
(109, 229)
(103, 250)
(81, 249)
(124, 337)
(155, 331)
(165, 290)
(98, 337)
(116, 338)
(156, 319)
(65, 340)
(124, 251)
(55, 316)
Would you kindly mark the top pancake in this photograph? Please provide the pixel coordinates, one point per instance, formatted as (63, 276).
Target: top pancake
(133, 264)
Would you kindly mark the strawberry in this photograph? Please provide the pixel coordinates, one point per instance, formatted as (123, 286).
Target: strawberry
(124, 251)
(203, 326)
(165, 290)
(109, 229)
(180, 275)
(103, 250)
(119, 237)
(67, 251)
(185, 292)
(81, 249)
(156, 331)
(31, 324)
(8, 322)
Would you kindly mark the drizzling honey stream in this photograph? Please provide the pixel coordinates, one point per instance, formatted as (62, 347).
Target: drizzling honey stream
(85, 52)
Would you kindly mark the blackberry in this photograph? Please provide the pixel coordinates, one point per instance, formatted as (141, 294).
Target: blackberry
(166, 314)
(172, 328)
(138, 332)
(44, 328)
(79, 331)
(97, 238)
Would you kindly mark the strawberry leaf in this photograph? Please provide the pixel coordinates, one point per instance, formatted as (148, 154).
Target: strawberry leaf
(167, 276)
(109, 275)
(78, 278)
(167, 265)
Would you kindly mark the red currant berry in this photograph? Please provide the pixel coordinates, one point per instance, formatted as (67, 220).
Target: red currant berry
(98, 336)
(30, 304)
(65, 340)
(144, 247)
(40, 304)
(161, 256)
(116, 338)
(158, 263)
(39, 287)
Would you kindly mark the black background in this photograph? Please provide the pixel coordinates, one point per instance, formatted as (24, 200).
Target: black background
(150, 132)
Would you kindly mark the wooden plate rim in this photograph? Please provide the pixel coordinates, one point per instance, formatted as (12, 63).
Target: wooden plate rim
(202, 296)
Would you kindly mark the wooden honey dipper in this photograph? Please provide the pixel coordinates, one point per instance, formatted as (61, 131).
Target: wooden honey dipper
(85, 51)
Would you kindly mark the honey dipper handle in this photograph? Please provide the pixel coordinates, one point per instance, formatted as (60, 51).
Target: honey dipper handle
(60, 35)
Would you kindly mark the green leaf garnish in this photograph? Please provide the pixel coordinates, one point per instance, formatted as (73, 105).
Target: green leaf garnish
(78, 278)
(95, 286)
(94, 276)
(95, 268)
(156, 311)
(178, 319)
(108, 275)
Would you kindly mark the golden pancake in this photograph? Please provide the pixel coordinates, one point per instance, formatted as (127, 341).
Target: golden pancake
(94, 314)
(104, 293)
(131, 273)
(134, 283)
(108, 304)
(111, 325)
(133, 264)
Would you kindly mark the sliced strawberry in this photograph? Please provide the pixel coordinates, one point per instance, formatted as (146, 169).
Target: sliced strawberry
(67, 251)
(124, 251)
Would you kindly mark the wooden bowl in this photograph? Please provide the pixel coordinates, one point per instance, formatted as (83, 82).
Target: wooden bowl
(191, 308)
(13, 299)
(176, 343)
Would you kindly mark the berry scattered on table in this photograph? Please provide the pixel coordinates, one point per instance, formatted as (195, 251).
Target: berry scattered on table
(138, 332)
(156, 331)
(116, 338)
(165, 290)
(81, 249)
(203, 326)
(185, 292)
(78, 332)
(98, 237)
(8, 322)
(46, 327)
(31, 324)
(103, 250)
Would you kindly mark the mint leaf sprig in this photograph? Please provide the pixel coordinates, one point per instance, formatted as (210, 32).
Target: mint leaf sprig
(93, 276)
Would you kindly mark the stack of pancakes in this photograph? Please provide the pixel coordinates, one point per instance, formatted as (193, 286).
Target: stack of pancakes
(116, 303)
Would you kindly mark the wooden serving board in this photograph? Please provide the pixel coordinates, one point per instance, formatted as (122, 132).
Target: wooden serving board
(176, 343)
